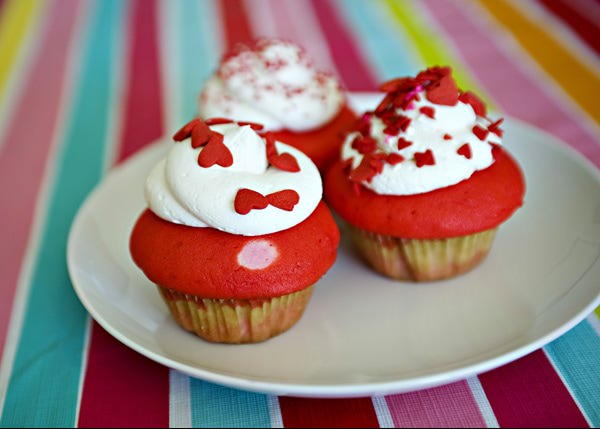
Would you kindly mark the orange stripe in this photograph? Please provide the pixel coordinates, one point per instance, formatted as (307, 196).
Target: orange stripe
(575, 77)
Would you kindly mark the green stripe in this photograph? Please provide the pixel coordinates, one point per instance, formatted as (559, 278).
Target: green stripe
(44, 385)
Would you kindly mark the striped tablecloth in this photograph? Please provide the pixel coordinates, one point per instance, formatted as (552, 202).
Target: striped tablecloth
(85, 84)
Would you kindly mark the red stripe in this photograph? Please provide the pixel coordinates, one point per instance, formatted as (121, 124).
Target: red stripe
(529, 393)
(586, 29)
(320, 413)
(25, 148)
(143, 104)
(352, 67)
(237, 25)
(122, 388)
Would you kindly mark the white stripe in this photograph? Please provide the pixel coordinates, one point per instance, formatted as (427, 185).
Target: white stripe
(21, 66)
(594, 321)
(505, 41)
(41, 206)
(384, 416)
(169, 53)
(482, 402)
(180, 406)
(566, 385)
(261, 18)
(274, 411)
(560, 32)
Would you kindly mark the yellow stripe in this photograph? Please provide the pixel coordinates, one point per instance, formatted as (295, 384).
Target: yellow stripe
(16, 18)
(598, 311)
(425, 41)
(569, 72)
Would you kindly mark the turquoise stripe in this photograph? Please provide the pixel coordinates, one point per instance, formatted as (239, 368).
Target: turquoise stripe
(388, 50)
(201, 53)
(576, 355)
(44, 386)
(221, 407)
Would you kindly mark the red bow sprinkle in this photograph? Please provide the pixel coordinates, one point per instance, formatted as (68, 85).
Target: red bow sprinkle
(284, 161)
(495, 127)
(424, 158)
(465, 150)
(247, 200)
(480, 132)
(214, 151)
(475, 102)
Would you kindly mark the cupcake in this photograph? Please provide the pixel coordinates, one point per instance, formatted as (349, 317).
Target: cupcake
(274, 83)
(235, 234)
(423, 180)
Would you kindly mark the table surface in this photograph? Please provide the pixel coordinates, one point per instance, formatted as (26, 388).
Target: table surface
(86, 84)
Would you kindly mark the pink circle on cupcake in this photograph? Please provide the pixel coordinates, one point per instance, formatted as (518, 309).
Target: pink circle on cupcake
(257, 254)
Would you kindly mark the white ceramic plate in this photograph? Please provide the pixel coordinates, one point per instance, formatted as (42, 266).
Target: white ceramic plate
(363, 334)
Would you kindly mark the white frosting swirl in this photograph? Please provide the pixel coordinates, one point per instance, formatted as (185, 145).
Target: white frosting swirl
(425, 133)
(273, 83)
(180, 191)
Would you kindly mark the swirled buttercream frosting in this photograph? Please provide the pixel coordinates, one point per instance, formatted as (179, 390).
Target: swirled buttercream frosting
(274, 83)
(227, 176)
(424, 135)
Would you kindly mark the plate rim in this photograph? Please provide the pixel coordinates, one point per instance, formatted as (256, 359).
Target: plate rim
(351, 389)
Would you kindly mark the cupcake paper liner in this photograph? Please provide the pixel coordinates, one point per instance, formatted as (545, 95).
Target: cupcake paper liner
(236, 320)
(422, 260)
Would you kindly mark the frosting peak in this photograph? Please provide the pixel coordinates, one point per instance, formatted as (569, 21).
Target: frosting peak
(226, 176)
(424, 135)
(274, 83)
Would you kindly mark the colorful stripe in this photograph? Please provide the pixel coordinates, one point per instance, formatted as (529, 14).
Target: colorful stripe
(17, 17)
(237, 27)
(384, 417)
(215, 406)
(580, 24)
(180, 404)
(576, 355)
(451, 405)
(482, 402)
(49, 352)
(529, 393)
(575, 77)
(350, 64)
(515, 91)
(308, 412)
(37, 105)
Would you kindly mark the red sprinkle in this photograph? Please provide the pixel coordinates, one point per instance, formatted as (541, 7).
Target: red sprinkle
(444, 91)
(403, 143)
(253, 125)
(370, 166)
(364, 145)
(186, 131)
(495, 127)
(200, 135)
(218, 121)
(480, 132)
(284, 200)
(424, 158)
(394, 158)
(215, 152)
(428, 111)
(247, 199)
(475, 102)
(284, 161)
(447, 137)
(465, 150)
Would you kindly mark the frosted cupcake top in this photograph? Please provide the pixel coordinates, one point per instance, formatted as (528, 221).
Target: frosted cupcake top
(424, 135)
(273, 83)
(224, 175)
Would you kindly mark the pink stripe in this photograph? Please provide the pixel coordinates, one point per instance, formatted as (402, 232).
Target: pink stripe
(26, 145)
(517, 93)
(529, 393)
(452, 405)
(350, 64)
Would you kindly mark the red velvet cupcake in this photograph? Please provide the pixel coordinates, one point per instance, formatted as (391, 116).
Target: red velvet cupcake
(275, 83)
(423, 180)
(235, 235)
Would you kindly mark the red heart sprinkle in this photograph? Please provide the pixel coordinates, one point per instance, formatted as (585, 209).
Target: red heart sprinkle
(218, 121)
(247, 199)
(394, 158)
(428, 111)
(215, 152)
(465, 150)
(253, 125)
(185, 131)
(495, 127)
(444, 91)
(200, 135)
(284, 161)
(424, 158)
(369, 167)
(475, 102)
(284, 200)
(480, 132)
(364, 145)
(403, 143)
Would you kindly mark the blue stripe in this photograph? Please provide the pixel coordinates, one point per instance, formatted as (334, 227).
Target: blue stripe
(221, 407)
(200, 52)
(44, 385)
(386, 48)
(576, 355)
